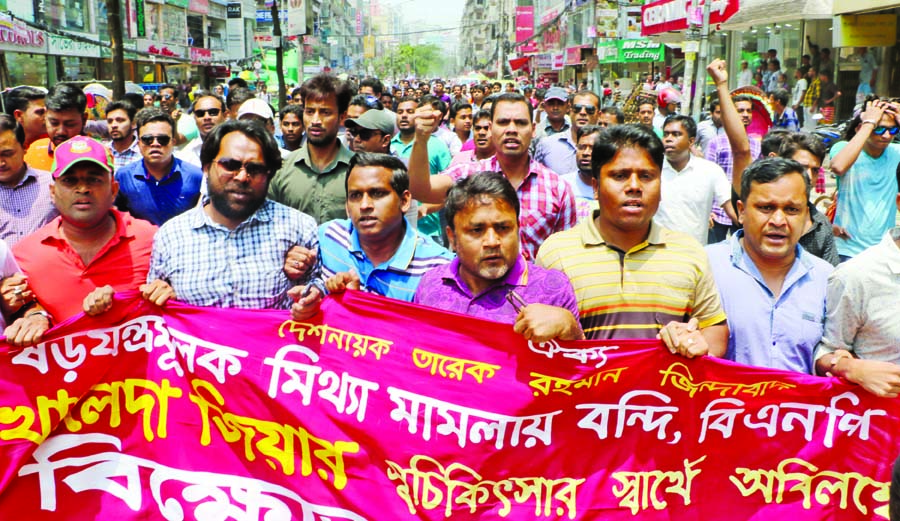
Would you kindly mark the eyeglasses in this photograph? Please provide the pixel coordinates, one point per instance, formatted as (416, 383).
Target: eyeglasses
(879, 131)
(364, 134)
(161, 139)
(590, 109)
(230, 167)
(212, 112)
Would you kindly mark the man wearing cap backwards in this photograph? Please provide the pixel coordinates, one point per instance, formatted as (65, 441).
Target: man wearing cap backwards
(91, 244)
(230, 251)
(208, 111)
(160, 185)
(372, 131)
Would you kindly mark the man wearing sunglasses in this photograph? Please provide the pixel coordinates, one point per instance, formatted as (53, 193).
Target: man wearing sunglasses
(557, 151)
(230, 251)
(160, 185)
(866, 165)
(208, 111)
(371, 132)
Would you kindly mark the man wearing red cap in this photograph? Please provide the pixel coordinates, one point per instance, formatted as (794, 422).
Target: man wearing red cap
(91, 244)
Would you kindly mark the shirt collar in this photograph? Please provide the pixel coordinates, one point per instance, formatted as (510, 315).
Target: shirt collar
(590, 234)
(51, 232)
(176, 169)
(344, 155)
(803, 264)
(402, 257)
(199, 218)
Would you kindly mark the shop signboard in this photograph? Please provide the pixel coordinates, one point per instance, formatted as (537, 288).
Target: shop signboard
(573, 55)
(199, 6)
(60, 46)
(865, 30)
(184, 4)
(16, 36)
(233, 10)
(265, 15)
(543, 61)
(663, 16)
(524, 23)
(629, 51)
(296, 17)
(559, 61)
(201, 56)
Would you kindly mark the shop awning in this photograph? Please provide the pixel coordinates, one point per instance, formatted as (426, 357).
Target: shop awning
(767, 12)
(863, 6)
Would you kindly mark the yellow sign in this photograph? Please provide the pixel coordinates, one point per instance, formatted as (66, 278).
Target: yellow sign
(368, 47)
(865, 30)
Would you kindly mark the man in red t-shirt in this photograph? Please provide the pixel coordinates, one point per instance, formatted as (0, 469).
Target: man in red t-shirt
(90, 245)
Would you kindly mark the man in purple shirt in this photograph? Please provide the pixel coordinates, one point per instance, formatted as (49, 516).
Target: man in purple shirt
(489, 278)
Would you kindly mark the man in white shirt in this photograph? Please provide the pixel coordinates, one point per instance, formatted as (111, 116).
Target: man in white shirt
(690, 185)
(208, 112)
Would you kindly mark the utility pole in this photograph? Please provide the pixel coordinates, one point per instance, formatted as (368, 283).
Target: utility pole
(690, 55)
(279, 54)
(701, 63)
(113, 10)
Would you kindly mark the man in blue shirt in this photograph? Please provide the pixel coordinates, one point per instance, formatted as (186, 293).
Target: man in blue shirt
(376, 250)
(159, 186)
(773, 290)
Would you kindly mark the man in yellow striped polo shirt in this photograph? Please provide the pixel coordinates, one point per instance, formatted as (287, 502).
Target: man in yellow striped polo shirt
(632, 277)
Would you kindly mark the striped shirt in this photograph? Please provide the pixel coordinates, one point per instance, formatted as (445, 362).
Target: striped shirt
(340, 251)
(209, 265)
(127, 156)
(632, 294)
(719, 152)
(25, 207)
(546, 203)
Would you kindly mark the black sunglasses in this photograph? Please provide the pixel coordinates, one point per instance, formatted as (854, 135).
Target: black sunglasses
(232, 166)
(161, 139)
(879, 131)
(364, 134)
(212, 112)
(590, 109)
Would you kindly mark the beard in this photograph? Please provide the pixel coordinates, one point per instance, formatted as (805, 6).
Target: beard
(220, 199)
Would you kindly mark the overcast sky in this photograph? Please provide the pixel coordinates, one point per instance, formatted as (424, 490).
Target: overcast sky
(442, 13)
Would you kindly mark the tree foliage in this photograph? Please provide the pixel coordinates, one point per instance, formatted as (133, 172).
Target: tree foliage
(423, 61)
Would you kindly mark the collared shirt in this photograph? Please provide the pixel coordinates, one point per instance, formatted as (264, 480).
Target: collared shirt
(60, 278)
(546, 203)
(719, 152)
(819, 239)
(544, 129)
(158, 201)
(632, 294)
(438, 161)
(8, 268)
(443, 288)
(688, 196)
(812, 93)
(209, 265)
(190, 153)
(318, 193)
(557, 152)
(40, 154)
(765, 330)
(585, 202)
(787, 120)
(706, 132)
(867, 204)
(863, 299)
(398, 277)
(127, 156)
(26, 207)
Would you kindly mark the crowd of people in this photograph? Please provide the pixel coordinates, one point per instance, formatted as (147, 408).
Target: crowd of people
(540, 208)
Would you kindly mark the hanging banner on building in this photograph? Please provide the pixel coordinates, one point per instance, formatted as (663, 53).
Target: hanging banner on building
(192, 413)
(865, 30)
(672, 15)
(368, 47)
(573, 54)
(296, 17)
(524, 23)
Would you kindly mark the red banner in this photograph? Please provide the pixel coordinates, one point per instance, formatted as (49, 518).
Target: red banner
(190, 413)
(672, 15)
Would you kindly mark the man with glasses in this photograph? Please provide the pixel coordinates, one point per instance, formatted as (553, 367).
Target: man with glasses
(371, 132)
(229, 252)
(160, 185)
(208, 111)
(557, 151)
(866, 165)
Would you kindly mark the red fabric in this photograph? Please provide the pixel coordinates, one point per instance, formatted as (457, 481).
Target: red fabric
(59, 277)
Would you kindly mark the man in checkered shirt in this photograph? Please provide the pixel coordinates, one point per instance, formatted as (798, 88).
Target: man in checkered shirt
(230, 252)
(547, 203)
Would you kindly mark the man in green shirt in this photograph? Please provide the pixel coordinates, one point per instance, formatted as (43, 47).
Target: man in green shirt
(312, 178)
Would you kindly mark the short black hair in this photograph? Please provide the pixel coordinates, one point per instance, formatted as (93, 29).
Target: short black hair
(632, 135)
(585, 92)
(512, 97)
(399, 174)
(169, 86)
(435, 102)
(481, 114)
(18, 98)
(587, 130)
(237, 96)
(687, 123)
(459, 105)
(796, 141)
(151, 114)
(136, 100)
(207, 94)
(491, 184)
(772, 141)
(713, 105)
(781, 96)
(477, 87)
(362, 100)
(296, 110)
(616, 111)
(237, 83)
(8, 124)
(375, 83)
(769, 170)
(254, 131)
(321, 86)
(64, 96)
(296, 91)
(741, 97)
(406, 99)
(122, 105)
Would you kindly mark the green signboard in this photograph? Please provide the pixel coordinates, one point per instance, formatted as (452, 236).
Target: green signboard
(629, 51)
(179, 3)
